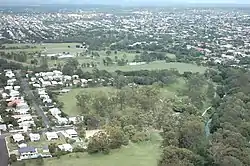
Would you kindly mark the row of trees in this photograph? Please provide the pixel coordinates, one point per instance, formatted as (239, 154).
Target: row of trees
(21, 56)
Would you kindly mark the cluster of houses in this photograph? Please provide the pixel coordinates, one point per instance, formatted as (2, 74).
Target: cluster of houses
(55, 78)
(30, 152)
(16, 104)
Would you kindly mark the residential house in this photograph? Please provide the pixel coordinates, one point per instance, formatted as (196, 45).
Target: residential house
(28, 153)
(14, 93)
(51, 136)
(9, 74)
(75, 77)
(55, 111)
(22, 108)
(18, 137)
(34, 137)
(73, 120)
(71, 133)
(61, 120)
(3, 127)
(66, 147)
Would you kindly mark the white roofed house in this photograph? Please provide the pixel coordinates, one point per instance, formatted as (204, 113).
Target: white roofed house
(34, 137)
(46, 83)
(22, 108)
(61, 120)
(51, 136)
(24, 120)
(14, 93)
(55, 111)
(11, 81)
(84, 81)
(67, 78)
(71, 133)
(9, 74)
(18, 137)
(75, 77)
(3, 127)
(66, 147)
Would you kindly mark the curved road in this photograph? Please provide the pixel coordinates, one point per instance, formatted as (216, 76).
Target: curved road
(3, 152)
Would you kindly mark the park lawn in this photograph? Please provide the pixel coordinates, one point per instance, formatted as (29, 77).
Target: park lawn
(157, 65)
(61, 47)
(142, 154)
(69, 99)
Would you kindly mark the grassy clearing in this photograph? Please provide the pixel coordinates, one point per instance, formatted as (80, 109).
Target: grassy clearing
(157, 65)
(173, 89)
(69, 99)
(143, 154)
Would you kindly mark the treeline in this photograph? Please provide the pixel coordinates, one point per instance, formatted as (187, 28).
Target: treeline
(150, 57)
(3, 47)
(17, 56)
(185, 141)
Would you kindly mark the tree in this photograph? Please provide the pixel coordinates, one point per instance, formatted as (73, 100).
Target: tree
(108, 52)
(129, 130)
(116, 136)
(99, 143)
(12, 158)
(174, 156)
(83, 101)
(108, 61)
(52, 148)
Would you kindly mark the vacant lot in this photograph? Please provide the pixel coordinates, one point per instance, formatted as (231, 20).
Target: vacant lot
(144, 154)
(69, 99)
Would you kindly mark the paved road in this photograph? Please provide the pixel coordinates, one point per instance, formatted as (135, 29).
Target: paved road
(3, 152)
(25, 85)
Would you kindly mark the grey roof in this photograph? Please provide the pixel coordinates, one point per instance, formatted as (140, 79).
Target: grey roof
(46, 147)
(27, 149)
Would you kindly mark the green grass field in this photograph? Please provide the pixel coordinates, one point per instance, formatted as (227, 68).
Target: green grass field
(143, 154)
(157, 65)
(69, 99)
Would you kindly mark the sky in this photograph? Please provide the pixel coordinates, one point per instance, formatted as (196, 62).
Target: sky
(121, 2)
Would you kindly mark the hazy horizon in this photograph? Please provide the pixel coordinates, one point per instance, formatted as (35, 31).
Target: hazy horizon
(124, 2)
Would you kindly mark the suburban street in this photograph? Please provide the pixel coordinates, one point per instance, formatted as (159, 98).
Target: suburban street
(24, 84)
(3, 152)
